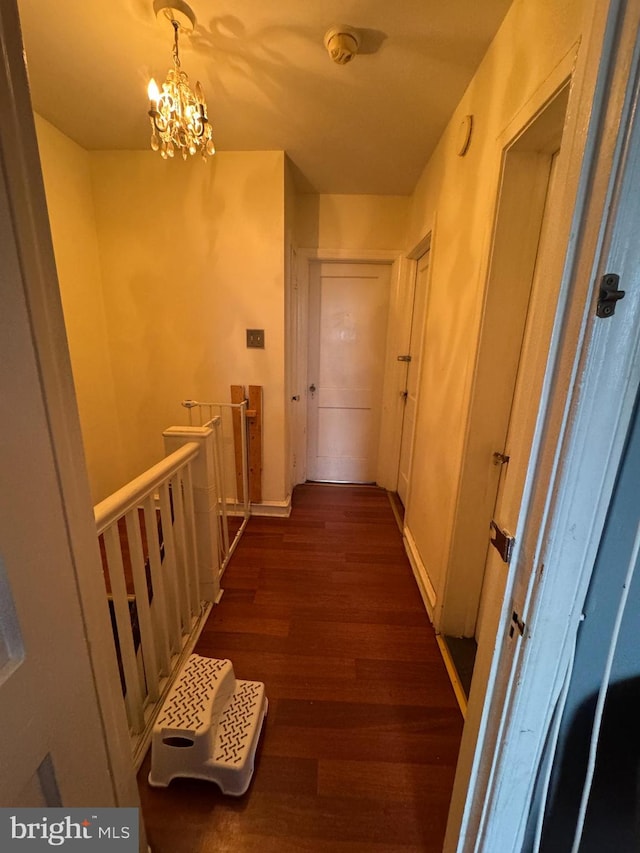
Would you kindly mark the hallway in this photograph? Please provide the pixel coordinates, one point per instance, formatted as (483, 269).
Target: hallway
(361, 740)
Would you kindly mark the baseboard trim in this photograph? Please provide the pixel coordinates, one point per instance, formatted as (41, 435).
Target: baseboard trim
(453, 675)
(397, 509)
(425, 586)
(272, 509)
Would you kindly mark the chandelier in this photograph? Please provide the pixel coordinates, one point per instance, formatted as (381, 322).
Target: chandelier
(178, 114)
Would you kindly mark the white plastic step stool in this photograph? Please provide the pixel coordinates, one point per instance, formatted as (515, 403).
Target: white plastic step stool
(208, 727)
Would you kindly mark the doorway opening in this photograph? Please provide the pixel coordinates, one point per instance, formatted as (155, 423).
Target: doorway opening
(412, 361)
(517, 323)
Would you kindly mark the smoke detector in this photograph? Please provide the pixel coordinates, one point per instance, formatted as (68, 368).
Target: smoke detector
(342, 43)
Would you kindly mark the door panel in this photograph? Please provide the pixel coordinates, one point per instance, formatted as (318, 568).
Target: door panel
(348, 313)
(413, 373)
(49, 714)
(53, 749)
(512, 259)
(517, 448)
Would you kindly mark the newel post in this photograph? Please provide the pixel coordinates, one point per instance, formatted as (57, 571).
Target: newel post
(205, 500)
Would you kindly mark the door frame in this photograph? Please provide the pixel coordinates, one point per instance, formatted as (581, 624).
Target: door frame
(585, 412)
(458, 597)
(391, 410)
(537, 161)
(28, 209)
(405, 326)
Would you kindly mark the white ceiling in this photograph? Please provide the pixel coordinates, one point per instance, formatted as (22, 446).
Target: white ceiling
(365, 127)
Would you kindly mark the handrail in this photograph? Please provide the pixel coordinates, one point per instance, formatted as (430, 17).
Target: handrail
(129, 496)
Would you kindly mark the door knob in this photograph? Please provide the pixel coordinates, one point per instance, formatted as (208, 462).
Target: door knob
(312, 388)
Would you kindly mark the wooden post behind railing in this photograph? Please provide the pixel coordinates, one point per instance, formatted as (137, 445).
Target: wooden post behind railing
(254, 439)
(238, 396)
(254, 416)
(205, 501)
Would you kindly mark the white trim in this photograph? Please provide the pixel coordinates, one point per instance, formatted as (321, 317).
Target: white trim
(368, 256)
(409, 275)
(422, 247)
(272, 509)
(452, 672)
(425, 586)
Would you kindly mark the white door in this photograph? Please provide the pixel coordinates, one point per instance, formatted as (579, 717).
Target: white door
(53, 749)
(295, 376)
(348, 315)
(517, 449)
(51, 741)
(513, 256)
(413, 370)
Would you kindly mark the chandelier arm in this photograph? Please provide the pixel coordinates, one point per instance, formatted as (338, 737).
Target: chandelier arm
(160, 126)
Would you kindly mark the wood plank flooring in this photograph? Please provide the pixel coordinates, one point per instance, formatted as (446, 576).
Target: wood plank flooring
(359, 747)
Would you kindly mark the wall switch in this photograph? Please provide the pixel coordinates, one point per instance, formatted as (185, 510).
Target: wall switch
(255, 338)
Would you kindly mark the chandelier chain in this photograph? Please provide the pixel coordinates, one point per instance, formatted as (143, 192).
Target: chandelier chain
(176, 56)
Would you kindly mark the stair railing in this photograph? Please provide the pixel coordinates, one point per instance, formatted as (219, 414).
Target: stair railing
(234, 509)
(161, 567)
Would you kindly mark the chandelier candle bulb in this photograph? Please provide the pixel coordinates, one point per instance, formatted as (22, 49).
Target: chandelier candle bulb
(154, 95)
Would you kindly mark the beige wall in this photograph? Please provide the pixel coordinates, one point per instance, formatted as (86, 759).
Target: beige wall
(192, 254)
(162, 267)
(459, 195)
(66, 171)
(351, 221)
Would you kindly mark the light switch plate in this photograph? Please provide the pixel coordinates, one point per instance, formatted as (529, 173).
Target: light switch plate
(255, 338)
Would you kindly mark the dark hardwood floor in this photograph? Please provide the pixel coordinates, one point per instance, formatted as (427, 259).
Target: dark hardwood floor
(360, 743)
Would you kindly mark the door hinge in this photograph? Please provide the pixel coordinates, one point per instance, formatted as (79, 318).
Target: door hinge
(516, 622)
(500, 458)
(502, 541)
(609, 295)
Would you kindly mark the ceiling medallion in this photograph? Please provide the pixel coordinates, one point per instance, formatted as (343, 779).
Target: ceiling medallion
(177, 113)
